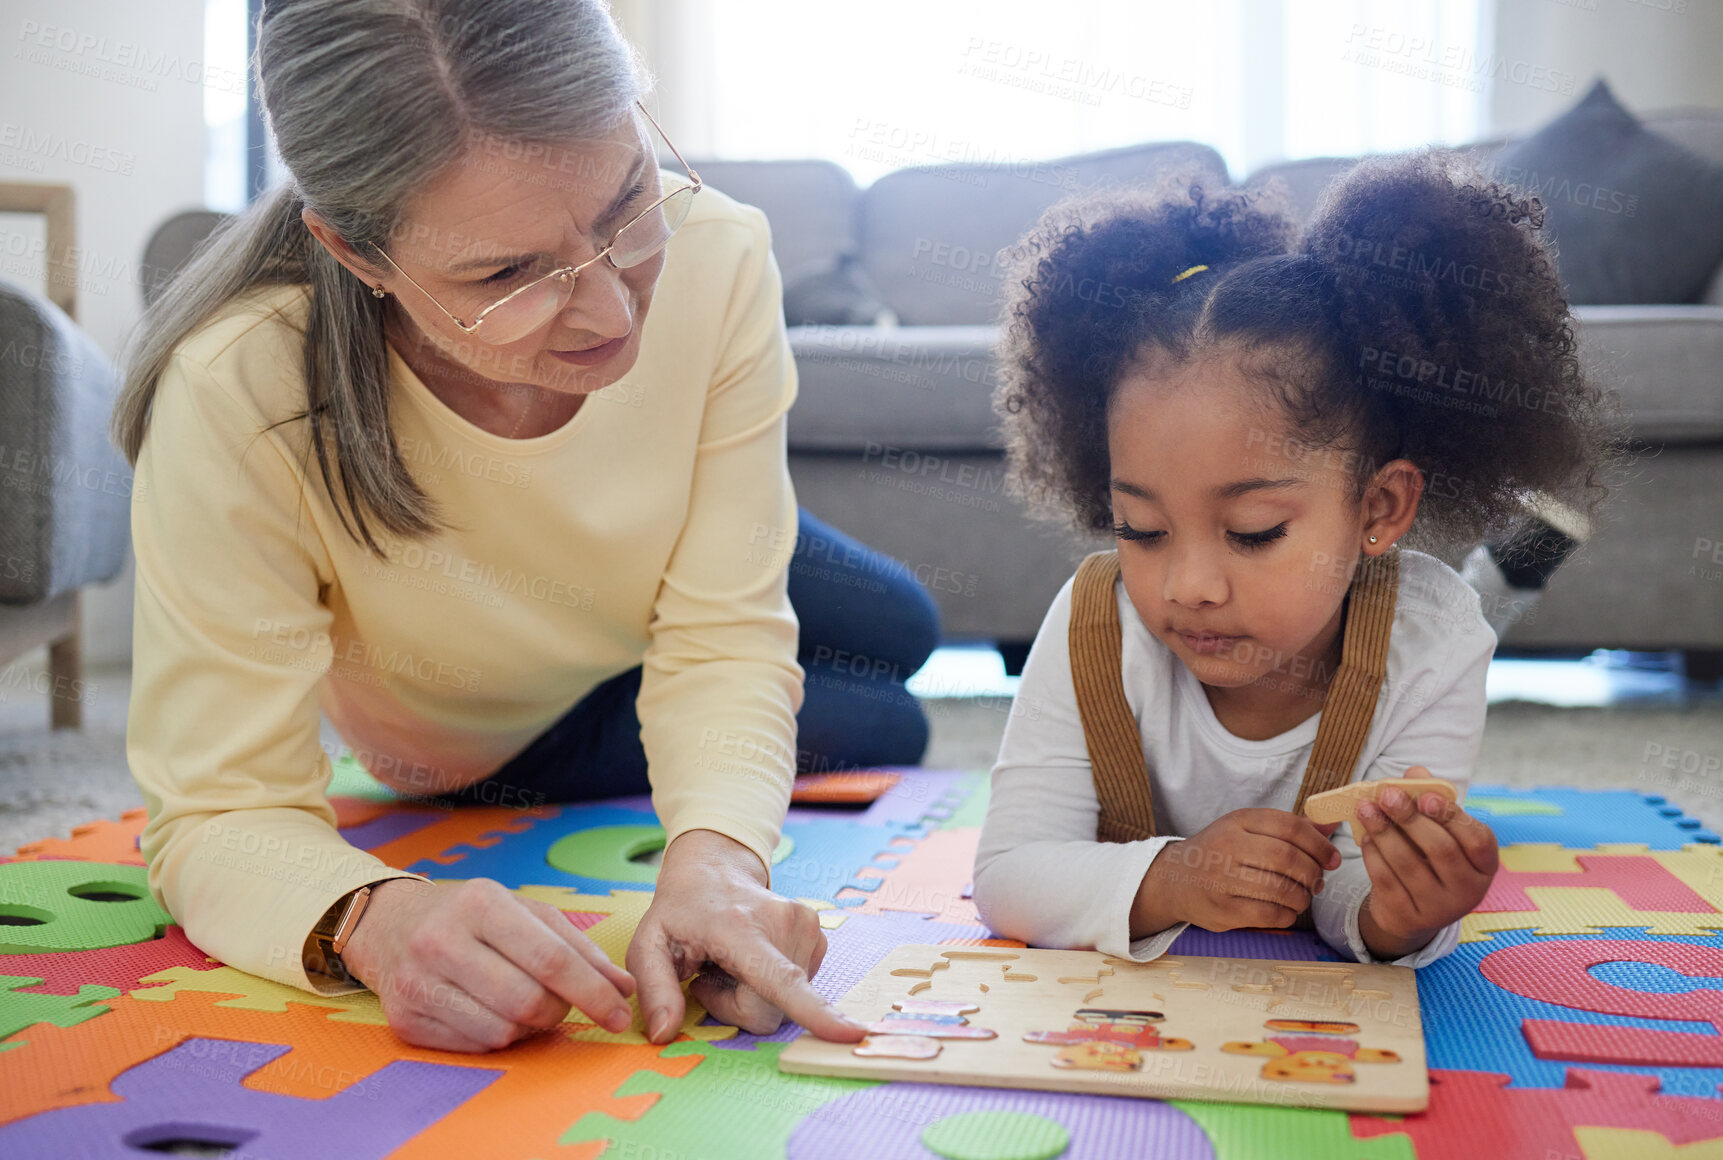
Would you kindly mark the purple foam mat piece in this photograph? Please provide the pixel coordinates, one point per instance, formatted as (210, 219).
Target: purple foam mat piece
(852, 949)
(891, 1118)
(194, 1093)
(1297, 945)
(378, 831)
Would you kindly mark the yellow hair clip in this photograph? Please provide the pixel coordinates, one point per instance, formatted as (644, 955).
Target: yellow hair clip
(1188, 273)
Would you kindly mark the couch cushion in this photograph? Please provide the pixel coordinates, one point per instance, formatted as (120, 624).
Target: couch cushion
(811, 207)
(931, 236)
(65, 491)
(923, 388)
(1636, 218)
(1665, 361)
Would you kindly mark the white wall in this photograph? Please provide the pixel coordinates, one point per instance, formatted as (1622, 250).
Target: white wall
(111, 104)
(1656, 54)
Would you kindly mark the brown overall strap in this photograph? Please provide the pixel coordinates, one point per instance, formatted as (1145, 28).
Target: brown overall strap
(1351, 702)
(1110, 731)
(1122, 782)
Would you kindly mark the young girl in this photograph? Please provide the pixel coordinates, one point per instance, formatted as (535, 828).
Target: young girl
(1260, 421)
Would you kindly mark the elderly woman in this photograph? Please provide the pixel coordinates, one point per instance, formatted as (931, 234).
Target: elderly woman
(472, 437)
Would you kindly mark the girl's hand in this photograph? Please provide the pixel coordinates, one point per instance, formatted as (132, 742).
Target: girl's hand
(472, 966)
(712, 905)
(1256, 867)
(1429, 862)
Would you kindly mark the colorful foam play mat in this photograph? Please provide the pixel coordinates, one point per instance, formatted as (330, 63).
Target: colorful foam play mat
(1581, 1016)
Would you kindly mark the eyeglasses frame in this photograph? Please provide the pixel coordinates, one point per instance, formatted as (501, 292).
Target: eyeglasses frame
(569, 273)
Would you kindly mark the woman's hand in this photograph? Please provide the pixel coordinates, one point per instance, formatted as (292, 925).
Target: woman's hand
(712, 904)
(472, 966)
(1253, 867)
(1429, 861)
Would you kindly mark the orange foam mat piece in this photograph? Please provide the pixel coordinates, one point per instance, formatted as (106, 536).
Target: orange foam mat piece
(843, 788)
(549, 1080)
(477, 826)
(103, 841)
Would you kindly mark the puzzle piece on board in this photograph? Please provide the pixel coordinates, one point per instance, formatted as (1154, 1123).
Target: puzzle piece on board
(733, 1104)
(20, 1009)
(927, 879)
(99, 841)
(458, 832)
(63, 972)
(194, 1093)
(1558, 891)
(1480, 1114)
(546, 1081)
(1474, 1024)
(1587, 818)
(55, 905)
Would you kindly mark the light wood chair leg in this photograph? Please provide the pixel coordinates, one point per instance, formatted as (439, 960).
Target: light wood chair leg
(66, 674)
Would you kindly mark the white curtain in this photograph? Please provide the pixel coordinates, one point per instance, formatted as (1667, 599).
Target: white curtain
(887, 83)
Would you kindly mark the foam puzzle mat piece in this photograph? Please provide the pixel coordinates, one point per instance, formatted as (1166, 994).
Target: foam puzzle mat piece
(457, 832)
(897, 1119)
(927, 879)
(64, 971)
(857, 787)
(733, 1106)
(1474, 1024)
(20, 1009)
(1554, 890)
(1479, 1114)
(1588, 817)
(99, 841)
(55, 905)
(377, 831)
(546, 1081)
(1637, 1144)
(193, 1093)
(830, 856)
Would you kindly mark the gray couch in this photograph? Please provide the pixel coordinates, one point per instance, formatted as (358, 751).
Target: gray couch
(64, 489)
(894, 439)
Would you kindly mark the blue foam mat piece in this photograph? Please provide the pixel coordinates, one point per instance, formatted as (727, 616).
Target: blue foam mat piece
(1591, 818)
(1471, 1024)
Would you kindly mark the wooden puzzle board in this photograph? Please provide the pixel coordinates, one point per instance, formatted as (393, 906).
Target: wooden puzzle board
(1216, 1041)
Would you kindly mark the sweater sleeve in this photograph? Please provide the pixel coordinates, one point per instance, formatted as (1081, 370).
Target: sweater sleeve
(1443, 737)
(1040, 875)
(230, 640)
(720, 685)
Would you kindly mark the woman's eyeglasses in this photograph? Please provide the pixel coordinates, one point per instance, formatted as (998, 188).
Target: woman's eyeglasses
(522, 311)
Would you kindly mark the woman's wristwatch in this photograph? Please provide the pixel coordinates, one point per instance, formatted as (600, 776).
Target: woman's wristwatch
(329, 937)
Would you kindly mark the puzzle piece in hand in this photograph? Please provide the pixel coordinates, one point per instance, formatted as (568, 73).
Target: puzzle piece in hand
(100, 841)
(57, 905)
(1341, 805)
(1557, 891)
(1479, 1114)
(928, 879)
(1587, 818)
(63, 972)
(194, 1093)
(20, 1009)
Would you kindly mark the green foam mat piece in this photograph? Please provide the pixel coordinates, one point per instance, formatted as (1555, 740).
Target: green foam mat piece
(1261, 1131)
(974, 787)
(58, 905)
(607, 853)
(348, 778)
(21, 1009)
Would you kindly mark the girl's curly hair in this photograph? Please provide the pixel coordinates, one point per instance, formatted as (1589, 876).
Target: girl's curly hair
(1420, 315)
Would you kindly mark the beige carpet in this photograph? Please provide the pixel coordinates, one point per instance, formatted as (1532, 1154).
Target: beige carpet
(50, 782)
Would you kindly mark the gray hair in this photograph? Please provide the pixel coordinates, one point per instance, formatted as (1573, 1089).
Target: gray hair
(369, 101)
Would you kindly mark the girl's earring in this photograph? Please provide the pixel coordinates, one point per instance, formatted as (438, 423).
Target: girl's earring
(376, 292)
(1372, 539)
